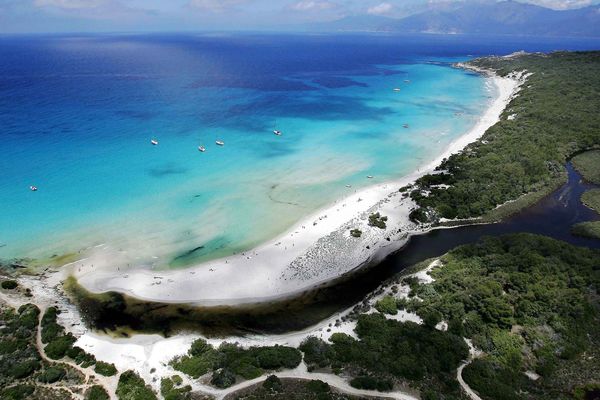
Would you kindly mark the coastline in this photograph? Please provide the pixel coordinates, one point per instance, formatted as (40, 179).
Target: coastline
(317, 250)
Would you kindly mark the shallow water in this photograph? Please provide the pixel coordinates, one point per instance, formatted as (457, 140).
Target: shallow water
(78, 112)
(553, 216)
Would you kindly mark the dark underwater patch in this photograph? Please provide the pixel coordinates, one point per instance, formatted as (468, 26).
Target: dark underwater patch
(166, 170)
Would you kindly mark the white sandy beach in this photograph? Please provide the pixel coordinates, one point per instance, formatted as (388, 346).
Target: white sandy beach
(315, 251)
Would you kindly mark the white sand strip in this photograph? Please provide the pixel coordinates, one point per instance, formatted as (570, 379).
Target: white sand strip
(313, 252)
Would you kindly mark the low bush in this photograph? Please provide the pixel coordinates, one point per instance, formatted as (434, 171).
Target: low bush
(9, 284)
(370, 383)
(52, 374)
(223, 378)
(132, 387)
(18, 392)
(105, 369)
(96, 392)
(273, 383)
(387, 305)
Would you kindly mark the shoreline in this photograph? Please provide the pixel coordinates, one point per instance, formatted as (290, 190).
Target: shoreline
(315, 251)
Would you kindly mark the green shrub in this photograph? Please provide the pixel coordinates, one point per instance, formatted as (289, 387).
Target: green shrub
(28, 316)
(105, 369)
(50, 328)
(199, 347)
(355, 233)
(273, 384)
(18, 392)
(96, 392)
(194, 366)
(59, 346)
(170, 390)
(317, 353)
(276, 357)
(223, 378)
(132, 387)
(491, 380)
(52, 374)
(24, 368)
(378, 220)
(80, 357)
(318, 386)
(9, 284)
(11, 345)
(387, 305)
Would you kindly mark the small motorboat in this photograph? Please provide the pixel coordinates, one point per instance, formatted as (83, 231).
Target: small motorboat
(201, 149)
(405, 125)
(154, 142)
(348, 186)
(396, 89)
(276, 132)
(407, 81)
(369, 176)
(33, 188)
(220, 143)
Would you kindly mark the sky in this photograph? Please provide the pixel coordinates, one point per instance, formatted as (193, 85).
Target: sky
(36, 16)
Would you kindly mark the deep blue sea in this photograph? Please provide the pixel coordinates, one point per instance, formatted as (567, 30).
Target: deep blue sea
(77, 114)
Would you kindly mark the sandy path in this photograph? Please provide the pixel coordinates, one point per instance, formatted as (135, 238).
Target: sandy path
(333, 380)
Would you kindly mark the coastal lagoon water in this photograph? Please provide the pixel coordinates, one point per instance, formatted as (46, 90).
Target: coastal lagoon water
(78, 113)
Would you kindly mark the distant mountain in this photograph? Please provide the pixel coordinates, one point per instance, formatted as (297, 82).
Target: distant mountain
(495, 18)
(357, 23)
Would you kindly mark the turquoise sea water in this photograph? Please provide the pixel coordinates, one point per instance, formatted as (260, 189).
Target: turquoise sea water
(78, 114)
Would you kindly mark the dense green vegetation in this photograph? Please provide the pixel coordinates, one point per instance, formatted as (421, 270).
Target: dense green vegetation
(555, 116)
(389, 350)
(229, 361)
(588, 164)
(274, 388)
(59, 344)
(529, 302)
(132, 387)
(24, 374)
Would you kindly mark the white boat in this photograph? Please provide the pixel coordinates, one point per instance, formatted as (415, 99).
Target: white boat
(202, 149)
(405, 126)
(276, 132)
(154, 142)
(407, 81)
(369, 176)
(348, 186)
(396, 89)
(220, 143)
(33, 188)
